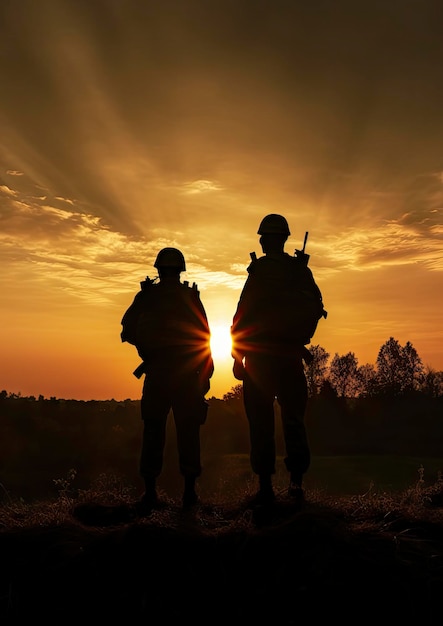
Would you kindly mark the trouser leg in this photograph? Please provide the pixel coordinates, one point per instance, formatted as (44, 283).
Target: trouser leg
(154, 410)
(259, 408)
(293, 400)
(187, 425)
(188, 441)
(153, 443)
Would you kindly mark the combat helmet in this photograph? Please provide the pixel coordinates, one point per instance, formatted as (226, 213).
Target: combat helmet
(170, 257)
(274, 224)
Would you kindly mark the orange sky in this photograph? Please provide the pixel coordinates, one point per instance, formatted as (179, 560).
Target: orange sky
(130, 126)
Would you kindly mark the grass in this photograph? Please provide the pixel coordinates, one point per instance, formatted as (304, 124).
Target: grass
(359, 558)
(335, 475)
(354, 474)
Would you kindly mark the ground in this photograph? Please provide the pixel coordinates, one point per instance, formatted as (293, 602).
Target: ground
(227, 564)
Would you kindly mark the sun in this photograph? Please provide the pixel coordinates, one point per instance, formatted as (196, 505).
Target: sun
(221, 341)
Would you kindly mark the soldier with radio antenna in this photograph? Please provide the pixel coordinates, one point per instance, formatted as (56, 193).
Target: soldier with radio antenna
(276, 317)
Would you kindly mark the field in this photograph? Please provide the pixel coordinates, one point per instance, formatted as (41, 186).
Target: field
(333, 475)
(357, 474)
(365, 548)
(362, 559)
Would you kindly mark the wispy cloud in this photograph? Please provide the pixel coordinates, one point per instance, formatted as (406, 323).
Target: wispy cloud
(7, 191)
(201, 186)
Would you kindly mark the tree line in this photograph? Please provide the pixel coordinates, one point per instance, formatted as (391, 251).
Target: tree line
(398, 371)
(393, 408)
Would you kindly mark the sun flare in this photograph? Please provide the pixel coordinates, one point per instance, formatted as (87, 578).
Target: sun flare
(221, 342)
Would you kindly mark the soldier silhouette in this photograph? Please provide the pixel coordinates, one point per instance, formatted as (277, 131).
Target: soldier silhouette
(276, 315)
(167, 323)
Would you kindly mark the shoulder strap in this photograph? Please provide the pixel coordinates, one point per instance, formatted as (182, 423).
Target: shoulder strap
(194, 287)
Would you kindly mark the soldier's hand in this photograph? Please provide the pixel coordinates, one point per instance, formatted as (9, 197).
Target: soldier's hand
(238, 369)
(204, 384)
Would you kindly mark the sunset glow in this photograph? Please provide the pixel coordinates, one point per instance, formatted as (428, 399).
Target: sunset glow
(221, 343)
(128, 127)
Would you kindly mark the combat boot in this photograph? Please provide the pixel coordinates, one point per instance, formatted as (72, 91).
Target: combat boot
(149, 500)
(265, 496)
(190, 497)
(295, 490)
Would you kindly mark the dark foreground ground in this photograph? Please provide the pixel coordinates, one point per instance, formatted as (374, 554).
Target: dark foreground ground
(347, 561)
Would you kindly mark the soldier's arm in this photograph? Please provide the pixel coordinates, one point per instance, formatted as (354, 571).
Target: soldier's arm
(129, 320)
(205, 366)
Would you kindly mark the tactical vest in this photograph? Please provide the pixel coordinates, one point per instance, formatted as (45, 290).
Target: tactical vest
(285, 302)
(130, 318)
(166, 319)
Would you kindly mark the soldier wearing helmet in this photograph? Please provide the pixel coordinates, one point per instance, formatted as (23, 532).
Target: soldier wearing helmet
(269, 332)
(274, 224)
(167, 323)
(170, 257)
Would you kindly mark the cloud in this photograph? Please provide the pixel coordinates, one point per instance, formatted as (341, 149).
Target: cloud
(77, 254)
(7, 191)
(67, 200)
(201, 186)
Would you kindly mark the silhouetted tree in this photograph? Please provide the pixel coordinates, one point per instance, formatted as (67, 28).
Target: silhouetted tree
(316, 371)
(343, 375)
(432, 383)
(236, 393)
(367, 375)
(399, 368)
